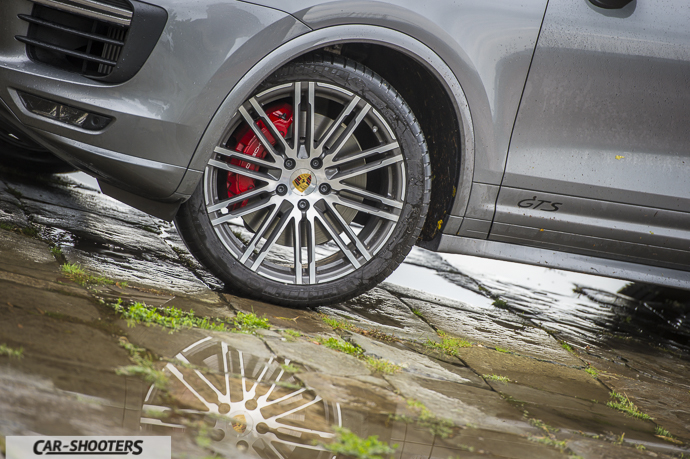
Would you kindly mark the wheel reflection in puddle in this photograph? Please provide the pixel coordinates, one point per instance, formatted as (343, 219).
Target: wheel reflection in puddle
(245, 402)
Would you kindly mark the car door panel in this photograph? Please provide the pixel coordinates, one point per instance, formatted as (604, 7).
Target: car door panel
(602, 128)
(593, 226)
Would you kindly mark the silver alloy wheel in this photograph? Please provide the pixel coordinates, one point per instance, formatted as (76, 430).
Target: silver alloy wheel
(331, 190)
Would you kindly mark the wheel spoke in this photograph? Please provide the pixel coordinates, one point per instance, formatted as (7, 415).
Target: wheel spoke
(277, 231)
(366, 208)
(368, 194)
(297, 250)
(248, 209)
(339, 241)
(246, 158)
(349, 130)
(366, 168)
(311, 249)
(236, 199)
(296, 119)
(259, 234)
(259, 134)
(334, 159)
(318, 150)
(350, 234)
(311, 129)
(242, 171)
(269, 124)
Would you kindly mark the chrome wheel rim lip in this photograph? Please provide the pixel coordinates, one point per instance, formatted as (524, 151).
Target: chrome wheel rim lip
(352, 244)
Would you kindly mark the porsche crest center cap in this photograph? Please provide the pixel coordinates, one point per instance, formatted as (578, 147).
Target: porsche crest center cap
(303, 182)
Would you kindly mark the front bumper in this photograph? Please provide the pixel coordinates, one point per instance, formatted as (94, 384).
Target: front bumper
(159, 114)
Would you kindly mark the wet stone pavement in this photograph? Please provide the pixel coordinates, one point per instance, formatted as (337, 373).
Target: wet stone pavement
(452, 357)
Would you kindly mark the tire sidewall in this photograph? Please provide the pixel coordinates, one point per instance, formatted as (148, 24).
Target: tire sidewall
(211, 252)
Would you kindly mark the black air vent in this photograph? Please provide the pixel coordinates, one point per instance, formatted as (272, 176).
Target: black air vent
(90, 37)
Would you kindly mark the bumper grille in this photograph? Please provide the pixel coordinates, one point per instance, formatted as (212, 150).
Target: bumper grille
(81, 36)
(92, 37)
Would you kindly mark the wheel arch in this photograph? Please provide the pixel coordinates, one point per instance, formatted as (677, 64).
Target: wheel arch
(445, 117)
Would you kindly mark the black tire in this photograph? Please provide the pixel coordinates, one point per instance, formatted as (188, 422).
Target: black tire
(20, 152)
(388, 227)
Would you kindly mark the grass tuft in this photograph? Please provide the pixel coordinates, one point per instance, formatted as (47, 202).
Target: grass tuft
(496, 378)
(342, 346)
(76, 274)
(171, 317)
(448, 344)
(426, 419)
(592, 372)
(499, 303)
(502, 349)
(336, 324)
(250, 322)
(417, 312)
(288, 368)
(383, 366)
(11, 352)
(143, 367)
(539, 424)
(621, 402)
(567, 347)
(350, 444)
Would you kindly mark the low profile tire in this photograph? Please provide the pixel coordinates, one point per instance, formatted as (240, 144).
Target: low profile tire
(317, 190)
(19, 152)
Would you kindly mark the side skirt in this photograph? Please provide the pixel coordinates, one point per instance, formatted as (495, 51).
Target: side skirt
(566, 261)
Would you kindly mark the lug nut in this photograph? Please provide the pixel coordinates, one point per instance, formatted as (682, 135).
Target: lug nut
(316, 163)
(324, 188)
(281, 190)
(289, 164)
(303, 204)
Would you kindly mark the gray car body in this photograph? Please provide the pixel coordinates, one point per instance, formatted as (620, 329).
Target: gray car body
(579, 108)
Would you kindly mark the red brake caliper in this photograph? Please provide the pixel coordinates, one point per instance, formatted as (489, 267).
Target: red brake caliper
(248, 143)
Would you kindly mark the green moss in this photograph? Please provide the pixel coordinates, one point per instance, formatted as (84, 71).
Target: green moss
(350, 444)
(502, 349)
(171, 317)
(567, 347)
(290, 368)
(539, 424)
(383, 366)
(30, 231)
(293, 333)
(428, 420)
(6, 226)
(417, 312)
(143, 367)
(342, 346)
(448, 344)
(250, 322)
(76, 274)
(496, 378)
(499, 303)
(11, 352)
(621, 402)
(335, 324)
(662, 432)
(592, 372)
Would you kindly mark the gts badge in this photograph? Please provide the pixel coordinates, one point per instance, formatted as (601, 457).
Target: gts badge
(534, 203)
